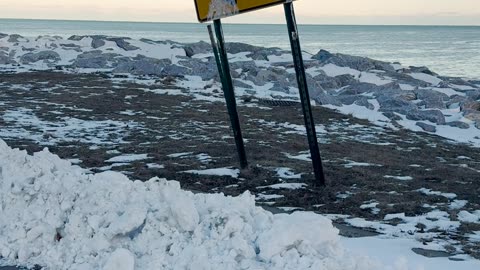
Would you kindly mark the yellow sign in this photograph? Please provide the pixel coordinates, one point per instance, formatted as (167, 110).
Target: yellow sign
(208, 10)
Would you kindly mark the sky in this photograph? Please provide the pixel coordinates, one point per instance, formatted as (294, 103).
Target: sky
(417, 12)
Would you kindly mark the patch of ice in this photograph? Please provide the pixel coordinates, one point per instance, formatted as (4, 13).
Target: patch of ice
(292, 186)
(458, 204)
(468, 217)
(287, 173)
(401, 178)
(427, 191)
(217, 172)
(127, 158)
(426, 78)
(179, 155)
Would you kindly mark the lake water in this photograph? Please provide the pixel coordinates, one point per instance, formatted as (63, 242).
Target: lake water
(447, 50)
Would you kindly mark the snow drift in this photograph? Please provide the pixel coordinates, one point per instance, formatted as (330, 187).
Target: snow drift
(60, 217)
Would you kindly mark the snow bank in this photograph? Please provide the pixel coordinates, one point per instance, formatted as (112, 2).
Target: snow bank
(58, 216)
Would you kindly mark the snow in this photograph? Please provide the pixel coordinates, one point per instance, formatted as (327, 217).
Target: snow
(468, 217)
(401, 178)
(217, 172)
(427, 191)
(121, 259)
(127, 158)
(333, 70)
(458, 204)
(26, 125)
(287, 173)
(387, 250)
(58, 216)
(426, 78)
(292, 186)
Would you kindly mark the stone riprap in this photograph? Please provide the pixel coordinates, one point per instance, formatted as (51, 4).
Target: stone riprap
(396, 94)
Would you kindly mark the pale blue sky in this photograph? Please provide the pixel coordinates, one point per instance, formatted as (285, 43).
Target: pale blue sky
(444, 12)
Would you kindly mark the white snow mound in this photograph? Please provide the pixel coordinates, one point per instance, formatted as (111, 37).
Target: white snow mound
(60, 217)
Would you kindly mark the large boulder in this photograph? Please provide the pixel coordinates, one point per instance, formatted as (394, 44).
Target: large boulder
(431, 99)
(5, 59)
(459, 124)
(334, 83)
(434, 116)
(175, 71)
(46, 56)
(97, 42)
(76, 38)
(422, 70)
(96, 59)
(15, 38)
(470, 106)
(123, 43)
(324, 98)
(355, 62)
(427, 127)
(201, 47)
(206, 70)
(142, 65)
(2, 35)
(391, 103)
(272, 75)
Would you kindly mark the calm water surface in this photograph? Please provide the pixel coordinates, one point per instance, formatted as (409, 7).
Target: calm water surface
(448, 50)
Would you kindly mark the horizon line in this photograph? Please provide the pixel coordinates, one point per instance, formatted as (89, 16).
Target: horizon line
(236, 23)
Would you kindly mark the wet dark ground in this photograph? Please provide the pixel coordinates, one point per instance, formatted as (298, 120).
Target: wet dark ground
(159, 124)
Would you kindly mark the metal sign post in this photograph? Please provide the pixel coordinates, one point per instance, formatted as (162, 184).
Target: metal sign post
(224, 71)
(304, 95)
(208, 10)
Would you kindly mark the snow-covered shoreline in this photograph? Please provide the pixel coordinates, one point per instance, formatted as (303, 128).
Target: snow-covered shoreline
(60, 217)
(387, 94)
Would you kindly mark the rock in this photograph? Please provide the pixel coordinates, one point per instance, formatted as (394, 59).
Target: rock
(355, 62)
(431, 99)
(392, 116)
(197, 48)
(46, 56)
(76, 38)
(175, 71)
(15, 38)
(95, 59)
(123, 44)
(245, 66)
(237, 47)
(474, 116)
(6, 59)
(434, 116)
(273, 75)
(334, 83)
(142, 65)
(427, 127)
(390, 103)
(2, 35)
(473, 94)
(206, 70)
(422, 70)
(459, 124)
(408, 95)
(470, 106)
(240, 84)
(97, 42)
(323, 98)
